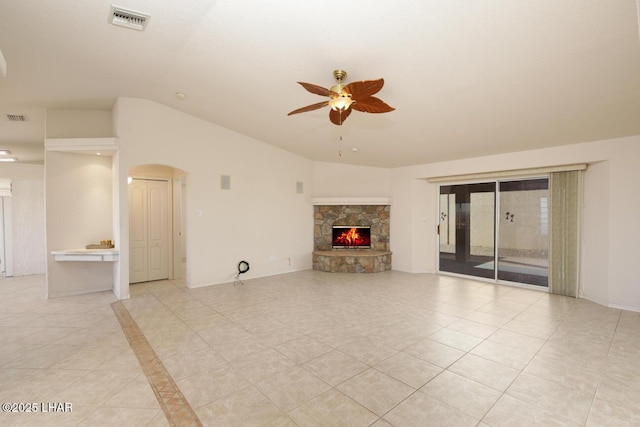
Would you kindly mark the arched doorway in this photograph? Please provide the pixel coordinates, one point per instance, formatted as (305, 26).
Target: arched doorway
(157, 223)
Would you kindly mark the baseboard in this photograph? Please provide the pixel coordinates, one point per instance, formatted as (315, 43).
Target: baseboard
(625, 307)
(76, 292)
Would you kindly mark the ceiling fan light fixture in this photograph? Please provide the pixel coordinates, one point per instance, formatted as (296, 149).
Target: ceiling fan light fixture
(342, 97)
(341, 102)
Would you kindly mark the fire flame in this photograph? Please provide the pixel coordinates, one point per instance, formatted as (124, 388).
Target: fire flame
(350, 238)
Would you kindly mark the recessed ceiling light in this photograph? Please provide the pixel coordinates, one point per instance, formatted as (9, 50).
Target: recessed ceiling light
(8, 159)
(354, 149)
(4, 152)
(181, 96)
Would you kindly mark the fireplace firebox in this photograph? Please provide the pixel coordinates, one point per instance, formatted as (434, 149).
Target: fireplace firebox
(350, 236)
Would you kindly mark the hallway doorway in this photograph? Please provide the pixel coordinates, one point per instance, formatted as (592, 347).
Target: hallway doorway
(157, 229)
(149, 233)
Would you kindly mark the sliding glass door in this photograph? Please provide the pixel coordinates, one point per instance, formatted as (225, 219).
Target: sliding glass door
(467, 229)
(523, 238)
(496, 230)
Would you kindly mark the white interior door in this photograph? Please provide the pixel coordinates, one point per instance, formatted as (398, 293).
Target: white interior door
(149, 237)
(138, 241)
(158, 226)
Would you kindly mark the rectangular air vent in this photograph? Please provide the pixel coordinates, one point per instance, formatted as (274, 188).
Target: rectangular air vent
(17, 118)
(128, 18)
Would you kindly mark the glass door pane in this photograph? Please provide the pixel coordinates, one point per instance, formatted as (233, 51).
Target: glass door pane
(467, 229)
(523, 237)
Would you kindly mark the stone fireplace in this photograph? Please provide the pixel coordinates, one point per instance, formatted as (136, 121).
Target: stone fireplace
(373, 216)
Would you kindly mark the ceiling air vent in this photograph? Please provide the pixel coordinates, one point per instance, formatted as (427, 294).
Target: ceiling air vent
(17, 118)
(128, 18)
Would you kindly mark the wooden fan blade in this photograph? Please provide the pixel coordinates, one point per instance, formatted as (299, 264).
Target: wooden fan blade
(371, 104)
(309, 108)
(318, 90)
(364, 89)
(338, 117)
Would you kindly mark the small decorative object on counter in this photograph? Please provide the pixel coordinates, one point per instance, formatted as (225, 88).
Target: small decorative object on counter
(104, 244)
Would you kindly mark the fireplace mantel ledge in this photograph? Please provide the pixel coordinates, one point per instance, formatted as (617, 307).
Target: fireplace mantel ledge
(336, 201)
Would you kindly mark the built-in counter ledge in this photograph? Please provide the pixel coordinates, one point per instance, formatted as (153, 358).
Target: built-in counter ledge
(86, 255)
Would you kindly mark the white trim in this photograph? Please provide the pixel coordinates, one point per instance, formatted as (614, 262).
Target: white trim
(77, 292)
(516, 173)
(624, 307)
(338, 201)
(106, 146)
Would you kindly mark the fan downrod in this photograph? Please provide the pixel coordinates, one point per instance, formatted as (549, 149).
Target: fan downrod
(340, 75)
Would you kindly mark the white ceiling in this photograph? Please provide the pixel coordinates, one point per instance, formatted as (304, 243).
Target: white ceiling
(467, 78)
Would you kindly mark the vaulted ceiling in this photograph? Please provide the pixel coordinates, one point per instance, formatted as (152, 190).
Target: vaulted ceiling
(467, 78)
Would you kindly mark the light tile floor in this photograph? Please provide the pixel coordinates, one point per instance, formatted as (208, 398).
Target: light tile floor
(324, 349)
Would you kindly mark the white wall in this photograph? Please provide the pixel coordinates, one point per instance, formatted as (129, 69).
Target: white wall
(22, 171)
(27, 201)
(409, 205)
(411, 222)
(611, 230)
(78, 212)
(595, 238)
(261, 219)
(339, 180)
(63, 123)
(624, 225)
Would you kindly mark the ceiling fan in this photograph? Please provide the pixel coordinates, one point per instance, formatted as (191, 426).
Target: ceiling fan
(344, 98)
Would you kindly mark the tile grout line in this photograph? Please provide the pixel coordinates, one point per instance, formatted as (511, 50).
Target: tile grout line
(604, 370)
(175, 406)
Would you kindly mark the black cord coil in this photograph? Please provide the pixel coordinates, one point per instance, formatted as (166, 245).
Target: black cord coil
(243, 267)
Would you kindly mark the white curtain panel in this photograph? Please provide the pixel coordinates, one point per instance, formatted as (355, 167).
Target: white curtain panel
(564, 194)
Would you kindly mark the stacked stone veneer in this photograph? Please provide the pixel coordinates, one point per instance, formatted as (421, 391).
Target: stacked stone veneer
(351, 260)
